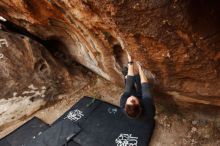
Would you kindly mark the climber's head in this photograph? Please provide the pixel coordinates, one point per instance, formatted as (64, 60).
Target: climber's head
(133, 107)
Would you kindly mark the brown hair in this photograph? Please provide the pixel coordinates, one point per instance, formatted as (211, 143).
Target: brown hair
(133, 110)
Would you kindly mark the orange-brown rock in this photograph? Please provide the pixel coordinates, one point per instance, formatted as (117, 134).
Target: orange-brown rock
(29, 77)
(177, 40)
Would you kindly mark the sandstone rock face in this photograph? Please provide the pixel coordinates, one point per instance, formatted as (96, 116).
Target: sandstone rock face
(29, 76)
(178, 41)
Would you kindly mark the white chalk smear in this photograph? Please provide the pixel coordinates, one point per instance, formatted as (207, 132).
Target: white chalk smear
(1, 56)
(2, 19)
(3, 42)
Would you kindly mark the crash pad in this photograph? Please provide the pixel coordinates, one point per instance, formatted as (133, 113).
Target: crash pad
(24, 133)
(58, 135)
(92, 122)
(104, 124)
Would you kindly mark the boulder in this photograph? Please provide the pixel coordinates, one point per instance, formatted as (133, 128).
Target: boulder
(29, 77)
(178, 41)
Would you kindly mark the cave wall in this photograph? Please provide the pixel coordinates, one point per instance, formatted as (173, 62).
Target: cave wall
(177, 40)
(28, 77)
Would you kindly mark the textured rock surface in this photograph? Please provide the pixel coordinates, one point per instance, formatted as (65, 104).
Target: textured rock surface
(29, 76)
(177, 40)
(173, 127)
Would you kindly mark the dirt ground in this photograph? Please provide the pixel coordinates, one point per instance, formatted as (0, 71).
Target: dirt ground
(172, 128)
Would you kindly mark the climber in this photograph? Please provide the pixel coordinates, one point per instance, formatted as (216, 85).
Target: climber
(137, 102)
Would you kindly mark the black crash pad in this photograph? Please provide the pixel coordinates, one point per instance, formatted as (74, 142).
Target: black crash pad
(103, 124)
(24, 133)
(92, 122)
(58, 135)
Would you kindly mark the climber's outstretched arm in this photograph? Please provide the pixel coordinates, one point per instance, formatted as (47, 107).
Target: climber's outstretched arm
(148, 102)
(130, 76)
(129, 82)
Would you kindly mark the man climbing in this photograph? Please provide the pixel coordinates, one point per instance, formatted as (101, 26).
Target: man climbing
(137, 102)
